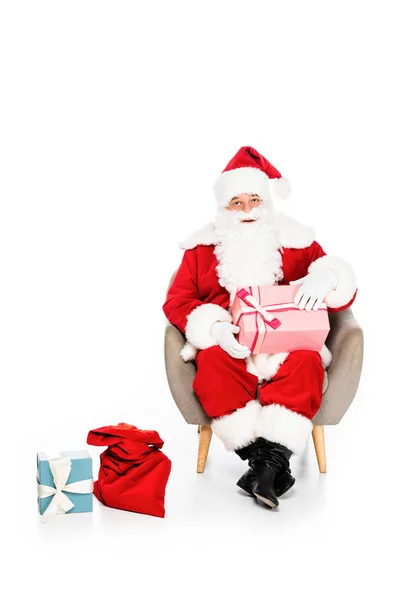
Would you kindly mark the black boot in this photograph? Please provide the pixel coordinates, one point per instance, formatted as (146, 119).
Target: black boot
(284, 479)
(269, 475)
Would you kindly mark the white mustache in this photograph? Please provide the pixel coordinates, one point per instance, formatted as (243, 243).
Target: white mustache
(228, 219)
(253, 215)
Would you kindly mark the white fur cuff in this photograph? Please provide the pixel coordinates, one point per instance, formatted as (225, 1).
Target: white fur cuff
(238, 429)
(199, 324)
(283, 426)
(346, 286)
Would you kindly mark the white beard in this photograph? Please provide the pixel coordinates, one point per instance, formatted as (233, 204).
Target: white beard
(247, 253)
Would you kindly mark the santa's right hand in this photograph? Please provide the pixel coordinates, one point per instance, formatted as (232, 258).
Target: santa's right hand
(222, 333)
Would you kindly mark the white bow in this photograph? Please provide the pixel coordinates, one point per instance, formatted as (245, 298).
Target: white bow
(60, 469)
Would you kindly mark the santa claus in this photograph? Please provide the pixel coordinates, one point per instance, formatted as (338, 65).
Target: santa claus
(261, 405)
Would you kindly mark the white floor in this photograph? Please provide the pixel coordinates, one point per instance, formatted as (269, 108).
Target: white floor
(330, 536)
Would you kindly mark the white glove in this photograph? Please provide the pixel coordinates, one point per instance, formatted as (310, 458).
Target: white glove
(222, 333)
(314, 289)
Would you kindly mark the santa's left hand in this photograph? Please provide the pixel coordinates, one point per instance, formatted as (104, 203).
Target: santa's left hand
(314, 289)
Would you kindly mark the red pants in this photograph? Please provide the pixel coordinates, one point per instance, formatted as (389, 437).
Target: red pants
(286, 403)
(223, 384)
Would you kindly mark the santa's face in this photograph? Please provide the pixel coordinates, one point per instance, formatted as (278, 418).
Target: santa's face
(244, 203)
(245, 212)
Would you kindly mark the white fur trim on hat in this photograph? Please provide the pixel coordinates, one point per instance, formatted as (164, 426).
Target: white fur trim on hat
(245, 180)
(346, 280)
(199, 322)
(238, 429)
(283, 426)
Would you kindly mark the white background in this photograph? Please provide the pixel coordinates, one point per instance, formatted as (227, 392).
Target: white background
(116, 117)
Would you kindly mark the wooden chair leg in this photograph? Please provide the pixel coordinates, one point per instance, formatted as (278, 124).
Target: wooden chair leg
(319, 445)
(204, 444)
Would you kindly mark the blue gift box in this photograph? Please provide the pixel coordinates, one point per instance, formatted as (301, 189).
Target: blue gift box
(81, 469)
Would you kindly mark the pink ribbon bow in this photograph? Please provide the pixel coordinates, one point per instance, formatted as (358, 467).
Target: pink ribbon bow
(266, 316)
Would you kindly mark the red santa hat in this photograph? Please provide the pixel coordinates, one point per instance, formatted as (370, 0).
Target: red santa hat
(248, 172)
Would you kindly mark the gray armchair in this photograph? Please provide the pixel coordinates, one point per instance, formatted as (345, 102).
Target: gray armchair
(345, 341)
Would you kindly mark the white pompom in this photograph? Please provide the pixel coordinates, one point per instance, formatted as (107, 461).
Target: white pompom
(281, 187)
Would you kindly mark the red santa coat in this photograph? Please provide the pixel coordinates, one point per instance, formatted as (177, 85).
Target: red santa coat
(196, 299)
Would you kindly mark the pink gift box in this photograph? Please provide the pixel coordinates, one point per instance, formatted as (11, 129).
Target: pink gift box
(277, 324)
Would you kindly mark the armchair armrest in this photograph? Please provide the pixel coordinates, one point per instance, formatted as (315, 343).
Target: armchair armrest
(180, 377)
(345, 341)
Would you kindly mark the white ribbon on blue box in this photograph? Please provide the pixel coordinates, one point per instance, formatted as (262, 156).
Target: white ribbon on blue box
(65, 483)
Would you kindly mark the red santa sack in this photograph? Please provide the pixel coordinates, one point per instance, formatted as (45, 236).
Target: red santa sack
(133, 471)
